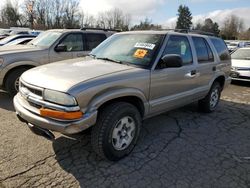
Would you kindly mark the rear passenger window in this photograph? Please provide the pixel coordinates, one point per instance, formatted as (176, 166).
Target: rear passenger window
(179, 45)
(221, 49)
(93, 40)
(203, 50)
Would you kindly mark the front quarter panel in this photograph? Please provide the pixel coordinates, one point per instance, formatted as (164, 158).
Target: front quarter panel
(92, 94)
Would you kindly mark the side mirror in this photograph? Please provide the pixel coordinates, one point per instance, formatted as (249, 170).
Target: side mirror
(170, 60)
(61, 48)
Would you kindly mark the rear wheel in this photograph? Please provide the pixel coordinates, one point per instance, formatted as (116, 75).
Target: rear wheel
(117, 131)
(12, 81)
(211, 101)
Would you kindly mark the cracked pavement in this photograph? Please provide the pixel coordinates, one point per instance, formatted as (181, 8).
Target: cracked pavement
(180, 148)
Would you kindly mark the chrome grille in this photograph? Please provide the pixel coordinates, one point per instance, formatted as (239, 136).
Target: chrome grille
(30, 90)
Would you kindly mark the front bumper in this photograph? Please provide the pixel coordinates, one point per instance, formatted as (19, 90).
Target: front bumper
(65, 127)
(240, 75)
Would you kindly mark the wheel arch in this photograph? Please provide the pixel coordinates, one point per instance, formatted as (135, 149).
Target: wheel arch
(221, 80)
(131, 96)
(13, 68)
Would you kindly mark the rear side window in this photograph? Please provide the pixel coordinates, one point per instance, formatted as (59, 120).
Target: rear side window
(93, 40)
(221, 49)
(179, 45)
(203, 50)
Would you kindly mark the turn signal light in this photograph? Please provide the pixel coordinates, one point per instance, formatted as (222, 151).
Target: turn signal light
(60, 114)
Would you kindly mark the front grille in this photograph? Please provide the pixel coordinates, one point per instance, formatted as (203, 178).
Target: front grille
(28, 90)
(34, 105)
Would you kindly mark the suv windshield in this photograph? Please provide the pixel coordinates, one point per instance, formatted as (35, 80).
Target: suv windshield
(135, 49)
(241, 54)
(45, 39)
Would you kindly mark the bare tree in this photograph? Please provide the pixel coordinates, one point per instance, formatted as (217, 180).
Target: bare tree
(10, 15)
(71, 14)
(231, 28)
(113, 19)
(146, 24)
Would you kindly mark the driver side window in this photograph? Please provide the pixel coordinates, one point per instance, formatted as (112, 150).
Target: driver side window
(179, 45)
(73, 42)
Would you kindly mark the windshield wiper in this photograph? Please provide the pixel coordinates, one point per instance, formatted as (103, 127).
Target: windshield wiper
(108, 59)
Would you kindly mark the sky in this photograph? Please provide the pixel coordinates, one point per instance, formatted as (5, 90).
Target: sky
(164, 11)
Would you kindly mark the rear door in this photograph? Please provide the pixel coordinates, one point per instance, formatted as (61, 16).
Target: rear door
(206, 64)
(173, 87)
(90, 41)
(94, 39)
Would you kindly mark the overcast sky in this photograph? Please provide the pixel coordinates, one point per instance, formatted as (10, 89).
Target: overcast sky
(164, 11)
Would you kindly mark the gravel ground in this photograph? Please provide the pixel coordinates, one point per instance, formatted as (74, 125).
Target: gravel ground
(181, 148)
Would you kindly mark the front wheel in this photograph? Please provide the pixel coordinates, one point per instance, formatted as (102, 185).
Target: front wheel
(211, 101)
(12, 81)
(117, 131)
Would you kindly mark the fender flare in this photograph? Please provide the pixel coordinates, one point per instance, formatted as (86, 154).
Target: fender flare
(99, 99)
(15, 65)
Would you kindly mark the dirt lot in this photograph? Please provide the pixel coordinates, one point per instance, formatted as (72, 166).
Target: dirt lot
(182, 148)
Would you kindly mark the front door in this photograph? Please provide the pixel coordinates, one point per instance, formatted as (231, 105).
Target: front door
(74, 46)
(172, 87)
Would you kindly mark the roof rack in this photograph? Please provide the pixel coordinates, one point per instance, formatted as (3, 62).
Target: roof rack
(192, 31)
(100, 29)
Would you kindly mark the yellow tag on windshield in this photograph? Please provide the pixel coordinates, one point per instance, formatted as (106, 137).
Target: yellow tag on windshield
(140, 53)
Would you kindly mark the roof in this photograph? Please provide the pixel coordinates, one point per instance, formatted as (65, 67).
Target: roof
(164, 32)
(78, 30)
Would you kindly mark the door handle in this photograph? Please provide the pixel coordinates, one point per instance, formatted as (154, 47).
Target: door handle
(214, 68)
(191, 74)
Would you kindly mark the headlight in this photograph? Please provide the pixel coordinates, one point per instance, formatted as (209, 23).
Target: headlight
(1, 61)
(234, 68)
(59, 98)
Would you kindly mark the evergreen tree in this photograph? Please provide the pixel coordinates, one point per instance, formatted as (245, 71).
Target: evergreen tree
(184, 20)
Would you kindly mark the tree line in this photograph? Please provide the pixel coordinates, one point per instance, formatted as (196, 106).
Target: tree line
(47, 14)
(232, 28)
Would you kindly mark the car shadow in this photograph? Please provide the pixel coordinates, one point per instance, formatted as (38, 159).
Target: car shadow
(241, 83)
(164, 140)
(6, 102)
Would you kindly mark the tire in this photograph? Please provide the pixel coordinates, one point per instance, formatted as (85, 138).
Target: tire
(211, 101)
(11, 81)
(109, 137)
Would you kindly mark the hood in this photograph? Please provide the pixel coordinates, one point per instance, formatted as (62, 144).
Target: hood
(240, 63)
(18, 49)
(61, 76)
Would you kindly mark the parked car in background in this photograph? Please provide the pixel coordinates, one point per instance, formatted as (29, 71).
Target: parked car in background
(35, 32)
(4, 33)
(19, 41)
(49, 46)
(129, 77)
(13, 38)
(241, 64)
(19, 32)
(232, 46)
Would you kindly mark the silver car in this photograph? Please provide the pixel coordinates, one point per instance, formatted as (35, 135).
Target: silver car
(241, 64)
(49, 46)
(129, 77)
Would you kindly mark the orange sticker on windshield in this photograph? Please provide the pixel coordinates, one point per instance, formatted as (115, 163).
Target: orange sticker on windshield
(140, 53)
